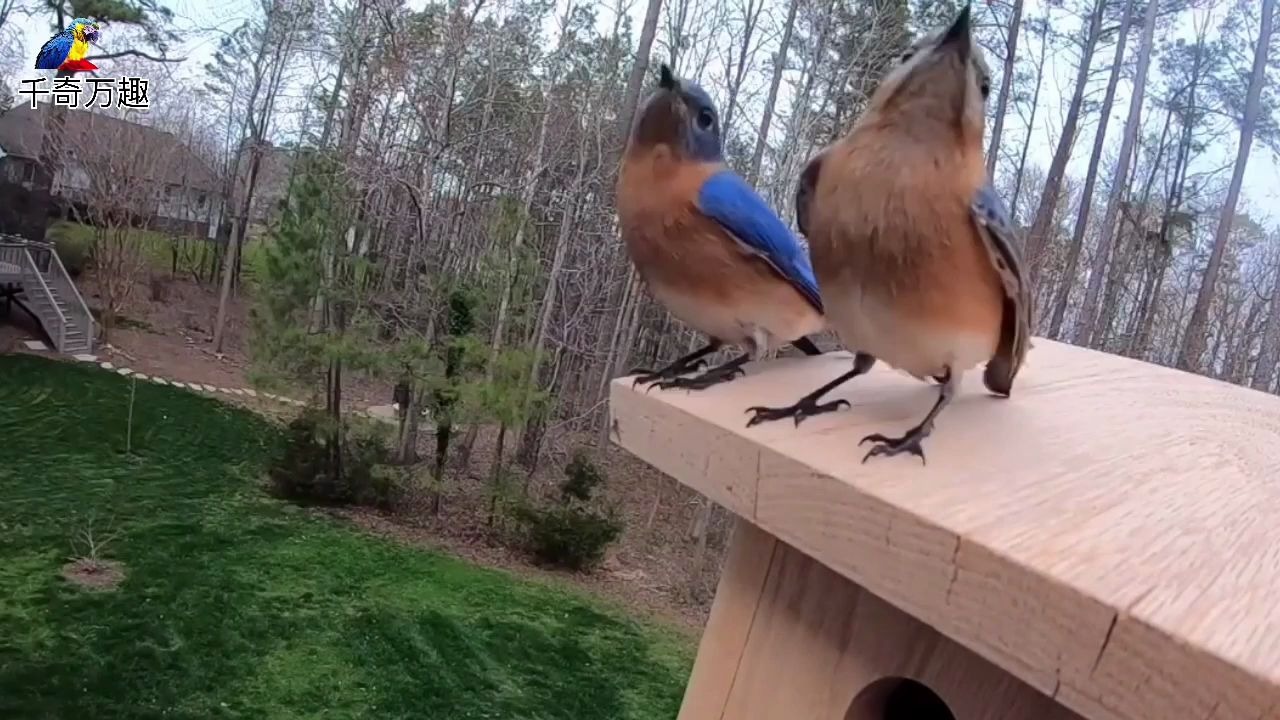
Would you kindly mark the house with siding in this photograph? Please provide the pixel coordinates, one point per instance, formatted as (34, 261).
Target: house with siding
(167, 185)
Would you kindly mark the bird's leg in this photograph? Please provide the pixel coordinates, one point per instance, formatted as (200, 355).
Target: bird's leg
(716, 375)
(808, 406)
(689, 363)
(910, 442)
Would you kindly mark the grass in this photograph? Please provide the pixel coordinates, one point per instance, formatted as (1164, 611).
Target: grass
(235, 605)
(157, 248)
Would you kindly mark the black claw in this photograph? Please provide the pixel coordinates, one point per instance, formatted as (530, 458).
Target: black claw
(889, 447)
(799, 412)
(700, 382)
(647, 379)
(652, 377)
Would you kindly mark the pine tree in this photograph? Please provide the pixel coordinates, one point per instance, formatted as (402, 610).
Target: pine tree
(306, 261)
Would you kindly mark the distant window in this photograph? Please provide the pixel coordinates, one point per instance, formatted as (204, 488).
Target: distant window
(202, 199)
(28, 172)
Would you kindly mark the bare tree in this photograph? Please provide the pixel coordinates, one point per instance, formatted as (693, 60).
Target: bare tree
(266, 51)
(779, 67)
(1269, 352)
(1191, 353)
(1090, 178)
(1038, 236)
(639, 69)
(119, 173)
(1084, 334)
(1006, 86)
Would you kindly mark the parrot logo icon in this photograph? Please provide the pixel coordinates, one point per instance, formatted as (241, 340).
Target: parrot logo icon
(66, 51)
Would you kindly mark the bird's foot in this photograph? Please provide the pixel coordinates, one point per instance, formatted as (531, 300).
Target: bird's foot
(714, 376)
(888, 446)
(806, 408)
(645, 376)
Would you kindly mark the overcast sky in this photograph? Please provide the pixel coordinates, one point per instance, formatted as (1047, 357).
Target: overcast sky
(202, 21)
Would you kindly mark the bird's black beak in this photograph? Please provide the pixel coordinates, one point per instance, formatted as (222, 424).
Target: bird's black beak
(958, 36)
(666, 79)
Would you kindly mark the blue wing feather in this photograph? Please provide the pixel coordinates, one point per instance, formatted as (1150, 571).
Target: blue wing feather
(54, 52)
(730, 201)
(994, 217)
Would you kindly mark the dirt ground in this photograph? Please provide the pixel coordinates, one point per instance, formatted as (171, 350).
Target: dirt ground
(655, 569)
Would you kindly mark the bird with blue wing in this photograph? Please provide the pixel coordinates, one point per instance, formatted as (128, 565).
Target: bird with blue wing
(66, 51)
(917, 258)
(704, 242)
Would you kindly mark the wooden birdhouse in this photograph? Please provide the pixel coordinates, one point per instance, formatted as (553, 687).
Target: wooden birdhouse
(1104, 544)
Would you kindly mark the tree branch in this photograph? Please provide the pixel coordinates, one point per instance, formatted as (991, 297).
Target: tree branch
(136, 53)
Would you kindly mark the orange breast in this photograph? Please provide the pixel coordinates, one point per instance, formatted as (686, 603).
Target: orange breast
(898, 222)
(690, 261)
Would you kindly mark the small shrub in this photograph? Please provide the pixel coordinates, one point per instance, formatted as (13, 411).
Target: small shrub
(307, 471)
(73, 247)
(568, 536)
(159, 286)
(573, 532)
(582, 477)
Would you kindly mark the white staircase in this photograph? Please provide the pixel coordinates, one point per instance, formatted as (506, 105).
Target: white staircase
(43, 286)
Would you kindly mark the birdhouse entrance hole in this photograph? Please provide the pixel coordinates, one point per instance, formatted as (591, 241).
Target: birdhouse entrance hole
(896, 698)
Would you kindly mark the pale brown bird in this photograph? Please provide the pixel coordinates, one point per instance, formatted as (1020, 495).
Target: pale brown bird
(915, 254)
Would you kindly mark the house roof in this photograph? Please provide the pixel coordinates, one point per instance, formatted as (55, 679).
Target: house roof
(22, 133)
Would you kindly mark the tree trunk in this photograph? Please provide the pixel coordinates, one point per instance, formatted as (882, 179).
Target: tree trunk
(750, 19)
(614, 358)
(1240, 349)
(799, 136)
(1038, 237)
(1031, 123)
(1006, 84)
(231, 258)
(549, 300)
(526, 209)
(1173, 204)
(635, 80)
(495, 480)
(1193, 343)
(1090, 179)
(1264, 372)
(1088, 313)
(779, 67)
(1138, 249)
(407, 441)
(258, 122)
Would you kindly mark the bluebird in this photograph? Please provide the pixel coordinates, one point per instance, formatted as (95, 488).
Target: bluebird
(705, 244)
(916, 256)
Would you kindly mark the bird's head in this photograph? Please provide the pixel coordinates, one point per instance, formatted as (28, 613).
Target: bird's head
(86, 30)
(943, 78)
(681, 115)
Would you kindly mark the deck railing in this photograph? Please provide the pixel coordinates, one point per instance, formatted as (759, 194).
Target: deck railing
(46, 281)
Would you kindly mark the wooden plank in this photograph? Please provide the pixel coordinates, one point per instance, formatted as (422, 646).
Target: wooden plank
(1108, 534)
(674, 443)
(724, 638)
(817, 641)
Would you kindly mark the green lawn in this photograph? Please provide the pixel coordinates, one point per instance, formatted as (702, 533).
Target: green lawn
(239, 606)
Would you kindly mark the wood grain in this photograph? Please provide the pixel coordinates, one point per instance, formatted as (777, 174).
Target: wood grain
(790, 639)
(1110, 534)
(732, 616)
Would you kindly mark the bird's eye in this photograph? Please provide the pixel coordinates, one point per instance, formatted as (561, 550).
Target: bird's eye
(908, 55)
(986, 89)
(705, 119)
